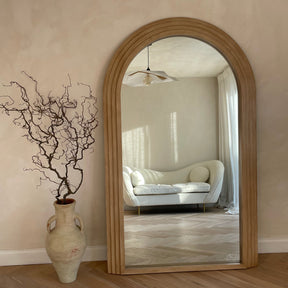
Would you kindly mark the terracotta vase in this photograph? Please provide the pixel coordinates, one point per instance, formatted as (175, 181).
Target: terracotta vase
(66, 242)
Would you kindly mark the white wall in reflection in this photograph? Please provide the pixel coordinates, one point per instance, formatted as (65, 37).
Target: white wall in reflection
(136, 146)
(171, 125)
(174, 136)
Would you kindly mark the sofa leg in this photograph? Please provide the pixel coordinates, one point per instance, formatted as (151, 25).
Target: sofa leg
(204, 208)
(138, 209)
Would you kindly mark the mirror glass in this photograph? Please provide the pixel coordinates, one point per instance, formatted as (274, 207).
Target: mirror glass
(180, 156)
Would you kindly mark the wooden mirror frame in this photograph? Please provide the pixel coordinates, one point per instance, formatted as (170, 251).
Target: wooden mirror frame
(234, 55)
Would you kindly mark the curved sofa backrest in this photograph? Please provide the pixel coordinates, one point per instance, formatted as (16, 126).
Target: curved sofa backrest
(169, 177)
(178, 176)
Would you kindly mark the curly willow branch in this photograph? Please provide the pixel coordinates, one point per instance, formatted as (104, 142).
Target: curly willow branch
(61, 127)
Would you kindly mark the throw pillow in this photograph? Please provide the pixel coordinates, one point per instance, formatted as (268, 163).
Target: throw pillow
(137, 178)
(199, 174)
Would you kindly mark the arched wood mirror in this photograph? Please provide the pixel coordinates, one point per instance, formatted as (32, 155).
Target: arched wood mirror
(168, 162)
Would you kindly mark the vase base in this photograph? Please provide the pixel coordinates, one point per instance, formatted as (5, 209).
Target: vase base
(67, 272)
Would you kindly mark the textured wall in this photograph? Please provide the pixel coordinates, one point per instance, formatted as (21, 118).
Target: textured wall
(49, 39)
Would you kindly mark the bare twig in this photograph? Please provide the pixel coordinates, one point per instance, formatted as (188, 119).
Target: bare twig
(62, 130)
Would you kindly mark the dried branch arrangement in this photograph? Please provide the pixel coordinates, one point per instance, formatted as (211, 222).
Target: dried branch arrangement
(61, 127)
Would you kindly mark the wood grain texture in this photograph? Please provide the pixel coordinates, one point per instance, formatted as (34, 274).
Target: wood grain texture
(247, 131)
(270, 273)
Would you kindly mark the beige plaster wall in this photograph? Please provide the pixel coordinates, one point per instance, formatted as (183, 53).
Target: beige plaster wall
(170, 126)
(49, 39)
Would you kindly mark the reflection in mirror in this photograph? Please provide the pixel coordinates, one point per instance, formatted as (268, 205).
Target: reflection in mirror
(180, 157)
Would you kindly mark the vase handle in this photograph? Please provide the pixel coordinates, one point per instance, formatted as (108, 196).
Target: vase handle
(50, 220)
(77, 217)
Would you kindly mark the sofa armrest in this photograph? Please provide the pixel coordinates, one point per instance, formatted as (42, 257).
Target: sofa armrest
(129, 197)
(216, 169)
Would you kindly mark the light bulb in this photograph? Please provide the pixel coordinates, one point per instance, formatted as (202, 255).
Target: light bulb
(147, 79)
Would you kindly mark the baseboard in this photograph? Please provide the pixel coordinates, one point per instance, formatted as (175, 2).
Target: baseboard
(98, 253)
(39, 256)
(273, 245)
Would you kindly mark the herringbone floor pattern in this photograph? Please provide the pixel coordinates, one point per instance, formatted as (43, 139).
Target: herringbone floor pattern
(181, 237)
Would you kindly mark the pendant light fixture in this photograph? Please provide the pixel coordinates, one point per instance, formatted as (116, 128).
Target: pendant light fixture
(146, 77)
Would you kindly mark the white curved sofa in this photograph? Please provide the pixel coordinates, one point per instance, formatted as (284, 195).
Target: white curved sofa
(154, 188)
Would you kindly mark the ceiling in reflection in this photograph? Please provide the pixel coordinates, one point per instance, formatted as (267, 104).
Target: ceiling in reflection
(181, 57)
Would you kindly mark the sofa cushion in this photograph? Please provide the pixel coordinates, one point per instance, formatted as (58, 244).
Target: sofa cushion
(163, 189)
(199, 174)
(137, 178)
(154, 189)
(191, 187)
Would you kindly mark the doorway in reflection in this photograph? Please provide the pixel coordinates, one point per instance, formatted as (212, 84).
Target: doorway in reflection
(166, 127)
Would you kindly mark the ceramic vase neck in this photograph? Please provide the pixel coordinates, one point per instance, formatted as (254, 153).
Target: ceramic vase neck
(65, 213)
